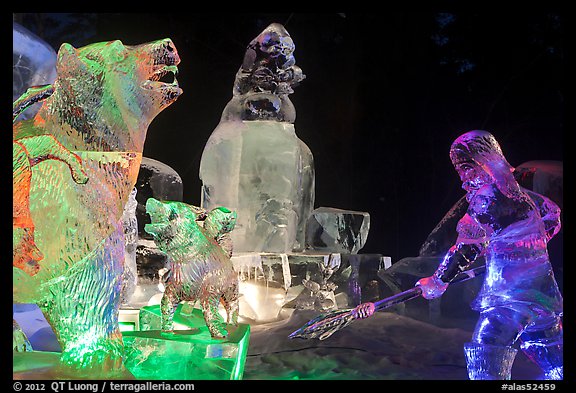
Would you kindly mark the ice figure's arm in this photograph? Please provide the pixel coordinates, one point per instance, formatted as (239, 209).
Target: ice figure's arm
(550, 213)
(469, 246)
(46, 147)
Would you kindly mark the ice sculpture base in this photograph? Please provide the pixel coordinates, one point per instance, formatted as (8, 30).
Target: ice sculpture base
(187, 354)
(40, 365)
(35, 365)
(273, 285)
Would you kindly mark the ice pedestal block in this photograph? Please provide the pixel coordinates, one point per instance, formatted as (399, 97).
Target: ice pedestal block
(46, 366)
(336, 230)
(34, 365)
(185, 317)
(272, 285)
(262, 288)
(186, 355)
(260, 170)
(189, 353)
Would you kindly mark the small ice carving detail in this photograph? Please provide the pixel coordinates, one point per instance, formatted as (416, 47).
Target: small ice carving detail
(199, 260)
(320, 295)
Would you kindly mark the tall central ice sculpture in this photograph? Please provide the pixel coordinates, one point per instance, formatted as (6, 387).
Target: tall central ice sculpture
(254, 163)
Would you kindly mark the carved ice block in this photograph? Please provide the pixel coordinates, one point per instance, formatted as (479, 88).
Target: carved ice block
(364, 284)
(253, 162)
(272, 285)
(35, 365)
(189, 353)
(155, 180)
(335, 230)
(257, 168)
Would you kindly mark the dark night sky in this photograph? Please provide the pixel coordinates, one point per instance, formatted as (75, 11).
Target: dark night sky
(385, 94)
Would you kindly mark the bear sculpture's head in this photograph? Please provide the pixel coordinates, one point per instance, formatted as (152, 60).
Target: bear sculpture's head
(106, 94)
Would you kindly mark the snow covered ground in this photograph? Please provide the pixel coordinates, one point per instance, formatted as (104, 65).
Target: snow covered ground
(386, 346)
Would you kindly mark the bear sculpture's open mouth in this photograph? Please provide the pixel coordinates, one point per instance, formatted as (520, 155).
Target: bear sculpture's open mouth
(162, 75)
(158, 80)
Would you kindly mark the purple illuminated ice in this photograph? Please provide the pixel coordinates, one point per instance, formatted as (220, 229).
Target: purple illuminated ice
(510, 226)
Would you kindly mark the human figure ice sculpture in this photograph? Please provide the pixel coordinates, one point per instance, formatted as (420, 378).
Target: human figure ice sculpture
(199, 266)
(253, 162)
(511, 227)
(100, 106)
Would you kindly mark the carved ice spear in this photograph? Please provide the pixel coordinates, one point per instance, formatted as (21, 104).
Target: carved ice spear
(324, 325)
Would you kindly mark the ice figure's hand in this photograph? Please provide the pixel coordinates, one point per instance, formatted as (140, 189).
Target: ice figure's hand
(364, 310)
(432, 287)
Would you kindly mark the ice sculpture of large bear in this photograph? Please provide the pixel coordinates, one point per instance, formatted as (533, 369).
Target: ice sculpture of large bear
(103, 100)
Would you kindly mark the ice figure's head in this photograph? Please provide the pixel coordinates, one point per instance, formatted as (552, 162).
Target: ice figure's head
(170, 220)
(113, 87)
(266, 78)
(479, 161)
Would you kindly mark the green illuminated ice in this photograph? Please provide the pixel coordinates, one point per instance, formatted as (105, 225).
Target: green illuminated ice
(200, 269)
(254, 163)
(99, 108)
(187, 354)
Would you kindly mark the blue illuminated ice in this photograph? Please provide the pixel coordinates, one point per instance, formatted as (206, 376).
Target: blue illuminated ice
(510, 226)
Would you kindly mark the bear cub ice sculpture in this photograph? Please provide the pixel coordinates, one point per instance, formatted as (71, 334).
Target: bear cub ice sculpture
(197, 244)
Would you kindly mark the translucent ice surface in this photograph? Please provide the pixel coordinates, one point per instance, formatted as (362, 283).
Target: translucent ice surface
(34, 64)
(510, 227)
(254, 163)
(155, 180)
(102, 102)
(336, 230)
(130, 223)
(199, 267)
